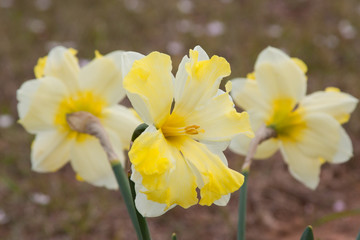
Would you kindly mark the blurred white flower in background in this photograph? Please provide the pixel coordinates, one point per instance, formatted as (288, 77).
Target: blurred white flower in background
(175, 48)
(274, 31)
(43, 5)
(346, 29)
(3, 217)
(36, 25)
(6, 120)
(40, 199)
(184, 26)
(215, 28)
(185, 6)
(339, 206)
(134, 5)
(6, 3)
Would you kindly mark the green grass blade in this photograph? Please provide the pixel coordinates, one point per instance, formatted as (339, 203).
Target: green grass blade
(242, 208)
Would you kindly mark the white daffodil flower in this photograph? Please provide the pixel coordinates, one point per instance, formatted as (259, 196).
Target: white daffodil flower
(190, 123)
(308, 128)
(61, 88)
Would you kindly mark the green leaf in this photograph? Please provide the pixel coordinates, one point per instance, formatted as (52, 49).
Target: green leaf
(358, 236)
(173, 236)
(138, 130)
(307, 234)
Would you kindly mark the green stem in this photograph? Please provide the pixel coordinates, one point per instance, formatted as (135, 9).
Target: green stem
(142, 221)
(124, 187)
(242, 207)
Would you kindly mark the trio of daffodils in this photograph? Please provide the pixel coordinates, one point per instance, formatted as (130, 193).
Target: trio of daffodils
(179, 159)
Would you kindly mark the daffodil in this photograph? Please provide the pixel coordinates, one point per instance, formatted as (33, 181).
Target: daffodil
(61, 87)
(190, 122)
(308, 128)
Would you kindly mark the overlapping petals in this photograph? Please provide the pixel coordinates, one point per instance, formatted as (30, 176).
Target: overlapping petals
(308, 128)
(186, 114)
(62, 88)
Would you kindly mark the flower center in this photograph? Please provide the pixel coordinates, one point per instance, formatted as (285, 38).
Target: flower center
(287, 119)
(82, 101)
(175, 126)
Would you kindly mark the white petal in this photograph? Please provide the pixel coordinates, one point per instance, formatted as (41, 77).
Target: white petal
(122, 121)
(102, 77)
(146, 208)
(345, 149)
(50, 150)
(247, 95)
(62, 64)
(39, 101)
(89, 161)
(278, 76)
(25, 95)
(124, 60)
(301, 166)
(337, 104)
(223, 201)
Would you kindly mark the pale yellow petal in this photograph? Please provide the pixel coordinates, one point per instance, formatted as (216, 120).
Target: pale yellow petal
(302, 166)
(218, 120)
(89, 160)
(338, 104)
(217, 179)
(38, 103)
(122, 121)
(202, 81)
(50, 150)
(150, 87)
(278, 76)
(61, 63)
(102, 78)
(322, 138)
(246, 94)
(344, 150)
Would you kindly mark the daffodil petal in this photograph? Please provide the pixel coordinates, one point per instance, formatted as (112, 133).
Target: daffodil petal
(124, 60)
(122, 121)
(146, 208)
(161, 166)
(201, 80)
(62, 64)
(217, 179)
(38, 102)
(240, 145)
(102, 77)
(89, 160)
(219, 120)
(321, 138)
(246, 94)
(302, 166)
(50, 151)
(278, 76)
(149, 86)
(344, 150)
(338, 104)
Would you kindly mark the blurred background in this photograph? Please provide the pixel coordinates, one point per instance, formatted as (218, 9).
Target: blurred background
(325, 34)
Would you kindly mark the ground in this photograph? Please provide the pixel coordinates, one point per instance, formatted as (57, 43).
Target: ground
(325, 34)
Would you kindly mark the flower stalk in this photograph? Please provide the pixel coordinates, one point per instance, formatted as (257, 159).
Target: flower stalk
(262, 134)
(84, 122)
